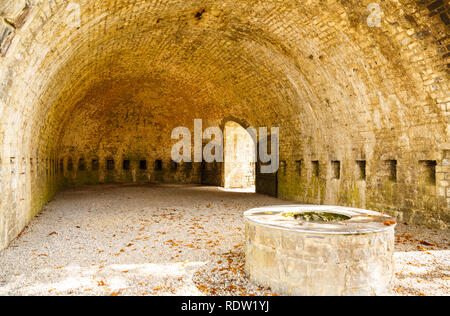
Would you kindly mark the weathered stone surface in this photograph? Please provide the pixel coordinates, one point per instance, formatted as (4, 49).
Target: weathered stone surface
(305, 262)
(114, 86)
(6, 36)
(11, 9)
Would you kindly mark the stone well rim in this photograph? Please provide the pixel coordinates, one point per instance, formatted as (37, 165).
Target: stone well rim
(361, 221)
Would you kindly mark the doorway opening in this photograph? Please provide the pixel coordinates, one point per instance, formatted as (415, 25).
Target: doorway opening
(239, 158)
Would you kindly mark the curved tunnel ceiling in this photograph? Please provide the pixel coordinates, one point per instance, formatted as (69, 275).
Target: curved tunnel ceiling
(315, 69)
(343, 94)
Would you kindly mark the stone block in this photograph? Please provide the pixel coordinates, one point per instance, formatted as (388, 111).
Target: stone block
(291, 242)
(443, 183)
(7, 33)
(443, 169)
(11, 9)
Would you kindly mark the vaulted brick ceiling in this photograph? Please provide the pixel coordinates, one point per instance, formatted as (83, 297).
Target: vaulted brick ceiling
(315, 67)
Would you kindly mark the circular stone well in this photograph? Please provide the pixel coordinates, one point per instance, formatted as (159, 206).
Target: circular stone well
(320, 250)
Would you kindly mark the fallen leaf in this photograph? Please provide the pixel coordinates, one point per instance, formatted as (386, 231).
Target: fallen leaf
(421, 248)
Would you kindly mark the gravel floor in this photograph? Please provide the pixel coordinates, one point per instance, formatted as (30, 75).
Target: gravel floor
(170, 240)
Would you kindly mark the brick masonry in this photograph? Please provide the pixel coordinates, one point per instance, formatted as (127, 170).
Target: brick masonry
(114, 86)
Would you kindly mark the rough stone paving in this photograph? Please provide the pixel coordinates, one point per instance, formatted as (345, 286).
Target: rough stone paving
(363, 111)
(171, 240)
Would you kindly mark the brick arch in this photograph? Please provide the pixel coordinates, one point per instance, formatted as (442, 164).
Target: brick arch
(240, 121)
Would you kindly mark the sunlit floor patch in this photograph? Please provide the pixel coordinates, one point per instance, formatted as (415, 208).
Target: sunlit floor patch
(251, 189)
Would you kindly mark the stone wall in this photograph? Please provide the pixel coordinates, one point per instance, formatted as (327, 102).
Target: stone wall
(443, 176)
(124, 123)
(114, 84)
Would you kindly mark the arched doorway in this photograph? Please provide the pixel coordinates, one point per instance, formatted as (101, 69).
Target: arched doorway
(239, 158)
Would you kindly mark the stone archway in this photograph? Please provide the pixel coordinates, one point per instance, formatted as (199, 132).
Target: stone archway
(239, 158)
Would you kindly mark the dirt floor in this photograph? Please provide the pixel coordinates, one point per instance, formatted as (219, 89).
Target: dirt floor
(171, 240)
